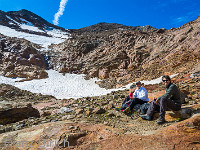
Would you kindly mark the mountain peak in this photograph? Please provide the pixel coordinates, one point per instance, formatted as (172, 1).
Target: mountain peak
(14, 19)
(103, 26)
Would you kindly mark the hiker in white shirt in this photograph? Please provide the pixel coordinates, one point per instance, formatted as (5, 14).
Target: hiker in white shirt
(140, 96)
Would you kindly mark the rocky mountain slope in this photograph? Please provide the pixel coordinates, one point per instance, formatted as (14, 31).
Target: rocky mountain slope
(91, 122)
(23, 37)
(20, 58)
(118, 54)
(15, 20)
(115, 53)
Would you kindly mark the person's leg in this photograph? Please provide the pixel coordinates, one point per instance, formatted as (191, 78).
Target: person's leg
(167, 103)
(152, 108)
(126, 99)
(136, 101)
(124, 105)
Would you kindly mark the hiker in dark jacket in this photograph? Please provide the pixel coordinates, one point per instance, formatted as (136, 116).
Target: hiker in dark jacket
(171, 100)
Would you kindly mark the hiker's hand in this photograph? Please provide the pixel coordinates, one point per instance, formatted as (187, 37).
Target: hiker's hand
(131, 98)
(157, 101)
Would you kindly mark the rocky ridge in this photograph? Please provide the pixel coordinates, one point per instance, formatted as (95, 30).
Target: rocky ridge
(119, 54)
(14, 20)
(115, 53)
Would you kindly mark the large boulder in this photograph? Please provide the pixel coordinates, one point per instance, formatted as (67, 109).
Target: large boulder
(11, 115)
(37, 60)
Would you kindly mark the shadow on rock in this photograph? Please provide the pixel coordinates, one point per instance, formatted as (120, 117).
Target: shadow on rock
(18, 114)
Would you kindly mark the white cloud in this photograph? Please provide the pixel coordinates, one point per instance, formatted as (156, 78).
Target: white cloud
(60, 11)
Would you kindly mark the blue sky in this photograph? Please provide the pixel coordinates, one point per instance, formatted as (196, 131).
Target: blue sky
(82, 13)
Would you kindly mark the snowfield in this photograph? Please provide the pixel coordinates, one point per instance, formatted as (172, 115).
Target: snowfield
(65, 86)
(60, 86)
(58, 36)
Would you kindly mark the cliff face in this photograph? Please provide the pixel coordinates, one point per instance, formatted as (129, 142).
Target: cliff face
(20, 58)
(119, 54)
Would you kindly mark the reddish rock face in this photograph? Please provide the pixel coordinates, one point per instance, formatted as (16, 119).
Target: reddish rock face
(144, 54)
(87, 136)
(19, 58)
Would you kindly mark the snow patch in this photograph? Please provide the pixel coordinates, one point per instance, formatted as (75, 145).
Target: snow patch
(58, 33)
(154, 81)
(12, 20)
(27, 22)
(66, 86)
(60, 86)
(31, 28)
(37, 39)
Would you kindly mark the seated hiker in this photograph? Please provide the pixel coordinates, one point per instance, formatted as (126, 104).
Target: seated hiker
(140, 96)
(170, 100)
(127, 100)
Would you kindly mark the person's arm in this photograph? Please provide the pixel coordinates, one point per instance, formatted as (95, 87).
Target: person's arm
(131, 96)
(135, 93)
(169, 92)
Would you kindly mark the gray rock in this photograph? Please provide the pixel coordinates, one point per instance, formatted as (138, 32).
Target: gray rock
(79, 111)
(68, 117)
(99, 110)
(197, 111)
(115, 97)
(186, 112)
(196, 74)
(123, 96)
(64, 110)
(110, 114)
(192, 102)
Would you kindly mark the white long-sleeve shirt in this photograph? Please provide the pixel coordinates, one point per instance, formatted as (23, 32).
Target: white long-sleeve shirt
(141, 94)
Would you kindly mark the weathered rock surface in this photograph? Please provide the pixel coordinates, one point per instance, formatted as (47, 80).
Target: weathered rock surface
(120, 56)
(19, 58)
(17, 114)
(86, 136)
(89, 126)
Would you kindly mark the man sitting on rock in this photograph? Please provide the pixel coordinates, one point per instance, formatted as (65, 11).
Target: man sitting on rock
(171, 100)
(140, 96)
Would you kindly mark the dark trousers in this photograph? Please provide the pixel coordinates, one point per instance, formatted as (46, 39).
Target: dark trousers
(162, 106)
(136, 101)
(126, 99)
(124, 105)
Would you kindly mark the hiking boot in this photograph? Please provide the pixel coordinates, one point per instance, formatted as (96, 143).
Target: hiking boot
(127, 110)
(146, 117)
(161, 120)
